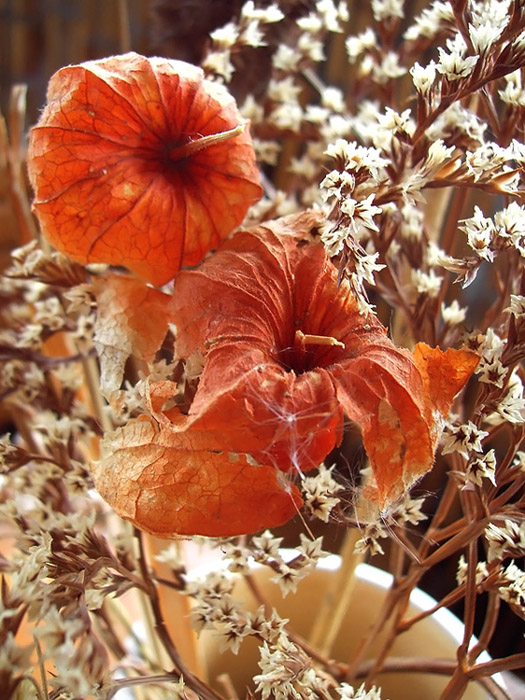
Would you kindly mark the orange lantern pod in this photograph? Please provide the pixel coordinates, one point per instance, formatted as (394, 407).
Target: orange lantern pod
(286, 356)
(140, 162)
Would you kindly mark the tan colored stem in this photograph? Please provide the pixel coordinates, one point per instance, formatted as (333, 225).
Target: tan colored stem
(200, 144)
(331, 612)
(308, 339)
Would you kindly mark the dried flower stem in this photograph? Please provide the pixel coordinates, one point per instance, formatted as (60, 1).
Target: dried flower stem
(335, 602)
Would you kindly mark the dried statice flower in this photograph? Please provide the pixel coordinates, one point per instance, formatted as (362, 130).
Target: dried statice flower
(507, 541)
(483, 467)
(348, 692)
(512, 588)
(453, 314)
(287, 672)
(464, 439)
(320, 493)
(433, 20)
(423, 77)
(453, 62)
(369, 542)
(482, 571)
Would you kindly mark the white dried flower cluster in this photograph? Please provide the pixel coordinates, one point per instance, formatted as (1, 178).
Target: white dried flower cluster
(287, 673)
(513, 93)
(423, 77)
(511, 406)
(512, 587)
(348, 692)
(387, 9)
(480, 232)
(457, 118)
(357, 45)
(453, 62)
(217, 609)
(332, 14)
(407, 511)
(249, 31)
(491, 369)
(453, 314)
(507, 541)
(463, 439)
(427, 283)
(431, 21)
(517, 305)
(320, 493)
(288, 573)
(483, 467)
(371, 533)
(482, 571)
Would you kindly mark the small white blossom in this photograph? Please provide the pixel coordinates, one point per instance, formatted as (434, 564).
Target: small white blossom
(361, 212)
(389, 125)
(348, 692)
(311, 23)
(285, 90)
(320, 493)
(286, 672)
(388, 69)
(287, 116)
(510, 225)
(333, 98)
(480, 234)
(483, 36)
(267, 151)
(454, 314)
(512, 406)
(412, 221)
(488, 157)
(431, 21)
(267, 15)
(428, 283)
(491, 371)
(454, 64)
(356, 45)
(483, 467)
(332, 14)
(286, 58)
(311, 48)
(386, 9)
(464, 439)
(513, 588)
(513, 93)
(423, 77)
(408, 510)
(457, 118)
(226, 36)
(219, 63)
(517, 305)
(356, 157)
(252, 110)
(482, 571)
(506, 541)
(252, 35)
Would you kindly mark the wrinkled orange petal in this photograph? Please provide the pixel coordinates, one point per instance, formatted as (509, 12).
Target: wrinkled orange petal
(132, 319)
(443, 373)
(243, 308)
(107, 163)
(166, 483)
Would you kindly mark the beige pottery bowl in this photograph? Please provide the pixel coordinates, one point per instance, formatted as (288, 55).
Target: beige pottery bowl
(435, 637)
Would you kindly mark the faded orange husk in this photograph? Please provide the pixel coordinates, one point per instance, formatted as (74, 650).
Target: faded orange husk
(106, 187)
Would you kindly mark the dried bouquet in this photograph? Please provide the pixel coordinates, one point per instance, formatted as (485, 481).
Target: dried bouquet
(284, 289)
